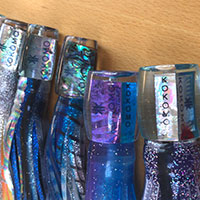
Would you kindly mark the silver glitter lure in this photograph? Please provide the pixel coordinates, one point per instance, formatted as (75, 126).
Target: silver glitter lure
(12, 40)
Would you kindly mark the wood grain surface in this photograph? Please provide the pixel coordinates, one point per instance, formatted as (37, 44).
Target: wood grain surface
(130, 33)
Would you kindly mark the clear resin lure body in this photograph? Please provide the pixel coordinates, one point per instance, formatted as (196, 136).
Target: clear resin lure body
(26, 127)
(110, 120)
(66, 145)
(12, 42)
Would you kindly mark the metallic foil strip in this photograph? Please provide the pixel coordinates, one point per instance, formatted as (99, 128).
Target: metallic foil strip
(33, 138)
(166, 106)
(13, 121)
(26, 126)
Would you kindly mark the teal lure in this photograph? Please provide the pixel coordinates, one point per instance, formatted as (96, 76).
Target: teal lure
(66, 144)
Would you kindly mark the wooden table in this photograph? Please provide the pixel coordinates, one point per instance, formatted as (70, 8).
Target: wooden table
(130, 33)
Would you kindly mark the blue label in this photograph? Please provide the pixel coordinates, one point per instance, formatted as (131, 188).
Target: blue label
(129, 110)
(186, 105)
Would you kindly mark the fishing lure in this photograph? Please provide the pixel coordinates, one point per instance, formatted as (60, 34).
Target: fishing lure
(168, 112)
(24, 142)
(66, 145)
(110, 120)
(12, 40)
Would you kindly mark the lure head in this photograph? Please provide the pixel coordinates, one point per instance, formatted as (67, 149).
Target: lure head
(78, 56)
(40, 53)
(110, 107)
(168, 102)
(13, 36)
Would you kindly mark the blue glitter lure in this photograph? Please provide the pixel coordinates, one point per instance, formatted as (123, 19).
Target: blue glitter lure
(24, 142)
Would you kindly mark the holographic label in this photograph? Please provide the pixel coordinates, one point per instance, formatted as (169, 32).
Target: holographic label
(11, 45)
(129, 104)
(113, 111)
(77, 62)
(105, 108)
(40, 57)
(166, 106)
(186, 106)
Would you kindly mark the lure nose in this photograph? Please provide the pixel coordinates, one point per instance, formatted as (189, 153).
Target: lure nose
(40, 53)
(78, 56)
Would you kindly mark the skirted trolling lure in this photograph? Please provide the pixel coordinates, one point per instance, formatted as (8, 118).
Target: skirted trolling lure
(110, 107)
(24, 142)
(169, 119)
(66, 143)
(12, 42)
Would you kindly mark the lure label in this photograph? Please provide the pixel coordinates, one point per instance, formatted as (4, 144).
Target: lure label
(186, 106)
(78, 60)
(113, 111)
(166, 106)
(175, 108)
(40, 57)
(129, 109)
(11, 44)
(105, 107)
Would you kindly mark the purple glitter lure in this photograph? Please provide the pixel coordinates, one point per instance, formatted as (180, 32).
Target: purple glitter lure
(111, 107)
(110, 110)
(172, 170)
